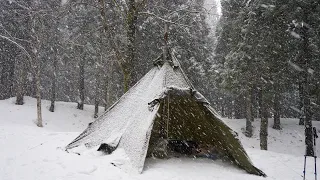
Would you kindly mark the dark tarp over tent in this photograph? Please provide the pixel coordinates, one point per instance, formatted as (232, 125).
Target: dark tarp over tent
(162, 105)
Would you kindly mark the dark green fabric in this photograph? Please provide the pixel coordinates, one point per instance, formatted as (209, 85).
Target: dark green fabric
(182, 117)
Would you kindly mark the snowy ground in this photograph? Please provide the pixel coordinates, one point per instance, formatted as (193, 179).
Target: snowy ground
(31, 153)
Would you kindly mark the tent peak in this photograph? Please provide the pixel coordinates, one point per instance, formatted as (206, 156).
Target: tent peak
(160, 60)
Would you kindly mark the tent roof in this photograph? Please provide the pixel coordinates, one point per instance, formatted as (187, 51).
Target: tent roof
(128, 123)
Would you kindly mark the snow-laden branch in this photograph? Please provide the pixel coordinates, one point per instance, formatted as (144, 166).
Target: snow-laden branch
(18, 45)
(7, 32)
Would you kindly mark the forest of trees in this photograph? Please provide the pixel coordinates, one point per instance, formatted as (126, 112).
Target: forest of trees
(93, 51)
(261, 61)
(267, 56)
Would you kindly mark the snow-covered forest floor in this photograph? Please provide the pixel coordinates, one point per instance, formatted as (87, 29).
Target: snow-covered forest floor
(31, 153)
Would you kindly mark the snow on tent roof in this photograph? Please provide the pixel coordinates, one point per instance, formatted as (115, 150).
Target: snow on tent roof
(129, 123)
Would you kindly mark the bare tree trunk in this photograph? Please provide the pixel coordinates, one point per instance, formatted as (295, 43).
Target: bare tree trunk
(97, 91)
(129, 66)
(38, 86)
(53, 87)
(301, 119)
(249, 117)
(96, 104)
(260, 96)
(238, 107)
(109, 36)
(6, 77)
(264, 123)
(106, 94)
(20, 79)
(108, 79)
(276, 108)
(81, 84)
(255, 103)
(222, 104)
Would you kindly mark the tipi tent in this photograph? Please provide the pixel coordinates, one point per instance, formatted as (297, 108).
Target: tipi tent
(162, 105)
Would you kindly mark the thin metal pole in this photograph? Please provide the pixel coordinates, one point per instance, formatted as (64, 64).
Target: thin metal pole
(304, 167)
(315, 167)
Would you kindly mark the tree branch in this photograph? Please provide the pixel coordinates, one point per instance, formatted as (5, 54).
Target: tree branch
(18, 45)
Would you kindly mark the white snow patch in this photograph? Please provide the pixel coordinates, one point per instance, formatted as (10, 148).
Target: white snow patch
(32, 153)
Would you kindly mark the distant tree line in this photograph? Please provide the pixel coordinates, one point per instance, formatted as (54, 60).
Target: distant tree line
(267, 61)
(93, 51)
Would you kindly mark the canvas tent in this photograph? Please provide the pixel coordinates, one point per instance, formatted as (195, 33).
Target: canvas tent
(163, 104)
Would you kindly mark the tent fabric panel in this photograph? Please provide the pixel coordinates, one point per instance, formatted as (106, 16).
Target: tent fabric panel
(117, 118)
(229, 140)
(187, 119)
(135, 140)
(174, 78)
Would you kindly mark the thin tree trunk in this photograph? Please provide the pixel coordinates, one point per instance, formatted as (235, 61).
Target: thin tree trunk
(317, 106)
(238, 108)
(276, 108)
(260, 96)
(301, 119)
(106, 93)
(53, 87)
(6, 77)
(96, 106)
(222, 103)
(108, 34)
(249, 114)
(81, 84)
(20, 78)
(264, 123)
(129, 66)
(97, 92)
(108, 79)
(38, 87)
(255, 105)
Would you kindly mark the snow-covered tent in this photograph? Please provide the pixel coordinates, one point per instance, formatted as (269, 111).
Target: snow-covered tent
(163, 104)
